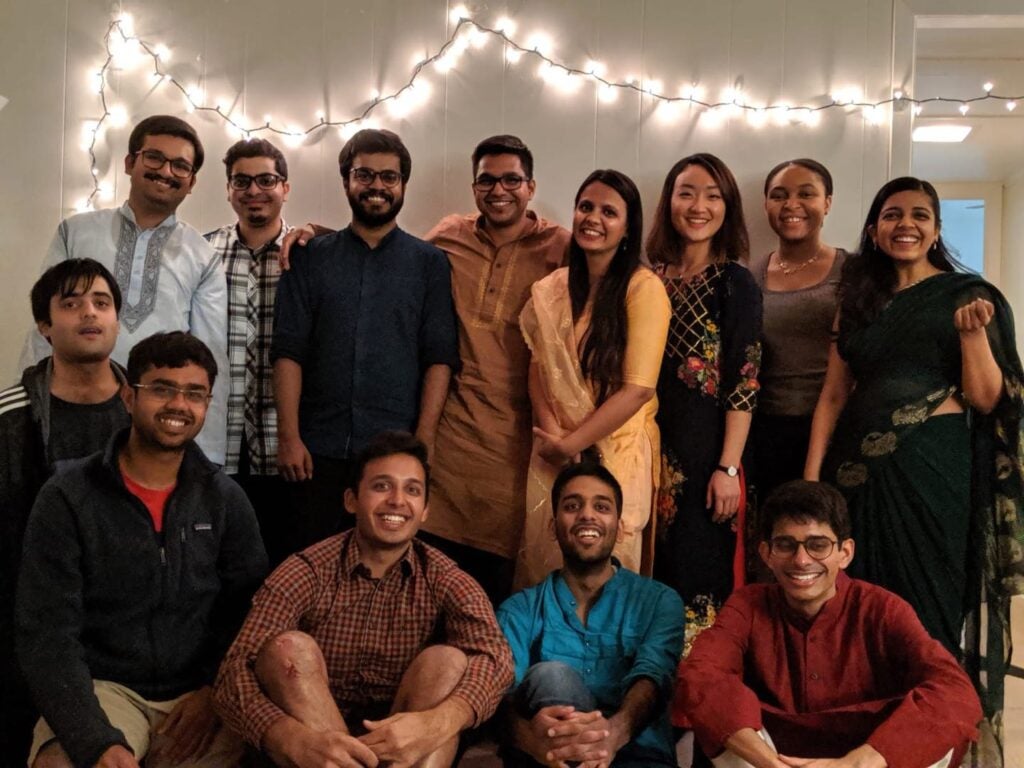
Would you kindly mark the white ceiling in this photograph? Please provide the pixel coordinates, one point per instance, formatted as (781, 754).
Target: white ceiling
(954, 62)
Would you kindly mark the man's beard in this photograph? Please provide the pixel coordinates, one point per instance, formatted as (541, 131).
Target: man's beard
(374, 220)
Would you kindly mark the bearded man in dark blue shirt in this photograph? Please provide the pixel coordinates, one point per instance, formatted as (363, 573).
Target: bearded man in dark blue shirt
(364, 337)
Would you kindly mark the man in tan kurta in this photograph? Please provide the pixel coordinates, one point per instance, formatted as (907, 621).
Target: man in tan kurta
(482, 447)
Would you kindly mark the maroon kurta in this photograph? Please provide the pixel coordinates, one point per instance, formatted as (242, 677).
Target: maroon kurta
(863, 671)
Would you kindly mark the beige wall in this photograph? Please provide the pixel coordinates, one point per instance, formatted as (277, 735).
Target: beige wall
(291, 59)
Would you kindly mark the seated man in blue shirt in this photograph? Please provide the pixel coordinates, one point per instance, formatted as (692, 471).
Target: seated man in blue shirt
(595, 645)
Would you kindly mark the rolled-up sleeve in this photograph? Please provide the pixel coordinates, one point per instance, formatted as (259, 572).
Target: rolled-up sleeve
(294, 309)
(277, 607)
(658, 652)
(439, 341)
(472, 628)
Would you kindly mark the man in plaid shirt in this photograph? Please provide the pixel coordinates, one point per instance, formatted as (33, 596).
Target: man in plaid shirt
(369, 647)
(257, 189)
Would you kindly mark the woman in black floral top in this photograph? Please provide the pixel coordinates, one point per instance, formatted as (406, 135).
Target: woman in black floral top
(708, 383)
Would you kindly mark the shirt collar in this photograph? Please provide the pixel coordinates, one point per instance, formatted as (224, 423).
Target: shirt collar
(480, 227)
(351, 567)
(269, 246)
(384, 241)
(126, 211)
(830, 612)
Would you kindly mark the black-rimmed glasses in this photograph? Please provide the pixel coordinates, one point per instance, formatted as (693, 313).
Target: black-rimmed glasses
(165, 393)
(818, 547)
(154, 159)
(509, 181)
(242, 181)
(367, 176)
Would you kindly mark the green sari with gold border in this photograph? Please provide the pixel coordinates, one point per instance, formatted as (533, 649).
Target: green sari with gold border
(937, 503)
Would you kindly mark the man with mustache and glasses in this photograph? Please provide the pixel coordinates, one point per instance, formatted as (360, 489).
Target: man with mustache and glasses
(595, 645)
(65, 407)
(249, 248)
(364, 336)
(139, 564)
(169, 276)
(820, 670)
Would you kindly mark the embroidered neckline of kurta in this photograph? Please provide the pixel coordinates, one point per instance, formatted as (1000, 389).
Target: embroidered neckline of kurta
(135, 313)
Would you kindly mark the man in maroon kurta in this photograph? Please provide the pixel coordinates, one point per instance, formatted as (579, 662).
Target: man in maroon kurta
(820, 669)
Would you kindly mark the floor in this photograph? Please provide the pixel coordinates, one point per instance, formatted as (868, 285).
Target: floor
(483, 756)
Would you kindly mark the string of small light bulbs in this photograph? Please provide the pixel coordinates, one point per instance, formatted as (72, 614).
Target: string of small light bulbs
(125, 50)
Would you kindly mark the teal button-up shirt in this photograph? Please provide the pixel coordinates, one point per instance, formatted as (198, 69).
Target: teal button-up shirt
(633, 630)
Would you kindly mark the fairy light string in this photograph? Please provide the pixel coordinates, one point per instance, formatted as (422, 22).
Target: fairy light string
(467, 33)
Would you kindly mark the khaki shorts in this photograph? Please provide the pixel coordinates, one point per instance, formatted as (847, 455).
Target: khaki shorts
(138, 718)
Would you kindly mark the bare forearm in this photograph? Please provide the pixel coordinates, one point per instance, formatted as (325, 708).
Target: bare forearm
(543, 415)
(834, 394)
(639, 706)
(747, 744)
(435, 391)
(612, 414)
(982, 379)
(737, 428)
(287, 392)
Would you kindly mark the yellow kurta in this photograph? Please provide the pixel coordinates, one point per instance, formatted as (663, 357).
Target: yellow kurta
(632, 452)
(483, 439)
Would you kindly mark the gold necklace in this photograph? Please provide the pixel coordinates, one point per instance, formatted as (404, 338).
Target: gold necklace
(788, 270)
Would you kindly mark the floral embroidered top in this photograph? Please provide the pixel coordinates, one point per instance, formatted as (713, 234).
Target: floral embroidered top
(713, 340)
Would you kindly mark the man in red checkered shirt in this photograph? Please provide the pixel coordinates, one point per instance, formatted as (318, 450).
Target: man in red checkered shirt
(369, 647)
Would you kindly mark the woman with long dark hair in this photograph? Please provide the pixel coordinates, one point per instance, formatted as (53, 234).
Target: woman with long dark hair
(799, 282)
(918, 425)
(708, 383)
(596, 331)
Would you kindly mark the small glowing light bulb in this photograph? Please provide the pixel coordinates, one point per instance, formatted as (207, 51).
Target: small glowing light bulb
(1011, 105)
(988, 87)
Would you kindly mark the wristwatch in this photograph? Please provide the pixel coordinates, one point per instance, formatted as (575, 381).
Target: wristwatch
(730, 470)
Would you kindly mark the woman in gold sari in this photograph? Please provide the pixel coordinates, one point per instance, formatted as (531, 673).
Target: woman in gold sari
(596, 332)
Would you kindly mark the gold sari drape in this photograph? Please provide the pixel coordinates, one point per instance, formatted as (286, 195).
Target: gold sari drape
(629, 453)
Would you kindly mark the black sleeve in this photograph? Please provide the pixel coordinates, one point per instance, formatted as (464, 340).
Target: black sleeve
(741, 339)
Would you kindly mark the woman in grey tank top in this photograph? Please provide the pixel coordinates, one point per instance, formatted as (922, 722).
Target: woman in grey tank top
(798, 280)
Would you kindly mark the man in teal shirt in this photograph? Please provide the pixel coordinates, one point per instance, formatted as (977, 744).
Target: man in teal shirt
(595, 646)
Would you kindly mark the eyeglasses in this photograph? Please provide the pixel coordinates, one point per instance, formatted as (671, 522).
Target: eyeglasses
(818, 547)
(367, 176)
(510, 181)
(242, 181)
(155, 160)
(165, 393)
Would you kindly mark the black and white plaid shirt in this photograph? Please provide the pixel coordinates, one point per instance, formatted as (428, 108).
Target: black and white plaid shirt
(252, 278)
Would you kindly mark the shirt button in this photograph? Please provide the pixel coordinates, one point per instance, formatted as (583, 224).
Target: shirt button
(814, 675)
(490, 290)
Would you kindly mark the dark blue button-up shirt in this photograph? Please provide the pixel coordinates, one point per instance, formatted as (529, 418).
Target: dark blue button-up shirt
(364, 324)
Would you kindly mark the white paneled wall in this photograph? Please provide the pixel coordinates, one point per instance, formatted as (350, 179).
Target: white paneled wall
(290, 59)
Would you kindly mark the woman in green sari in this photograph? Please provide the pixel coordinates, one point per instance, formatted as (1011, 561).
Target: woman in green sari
(918, 425)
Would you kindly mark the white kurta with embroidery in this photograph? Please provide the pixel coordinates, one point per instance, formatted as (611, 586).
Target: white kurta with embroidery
(171, 280)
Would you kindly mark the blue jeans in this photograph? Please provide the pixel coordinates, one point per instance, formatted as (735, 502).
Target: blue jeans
(550, 684)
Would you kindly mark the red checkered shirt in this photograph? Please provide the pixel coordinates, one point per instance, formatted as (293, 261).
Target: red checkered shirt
(368, 629)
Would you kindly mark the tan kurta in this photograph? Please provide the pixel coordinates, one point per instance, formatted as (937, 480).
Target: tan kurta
(483, 440)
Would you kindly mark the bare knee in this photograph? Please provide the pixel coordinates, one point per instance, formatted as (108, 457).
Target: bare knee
(433, 675)
(291, 656)
(52, 756)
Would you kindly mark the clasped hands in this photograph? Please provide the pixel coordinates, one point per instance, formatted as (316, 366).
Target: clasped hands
(561, 735)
